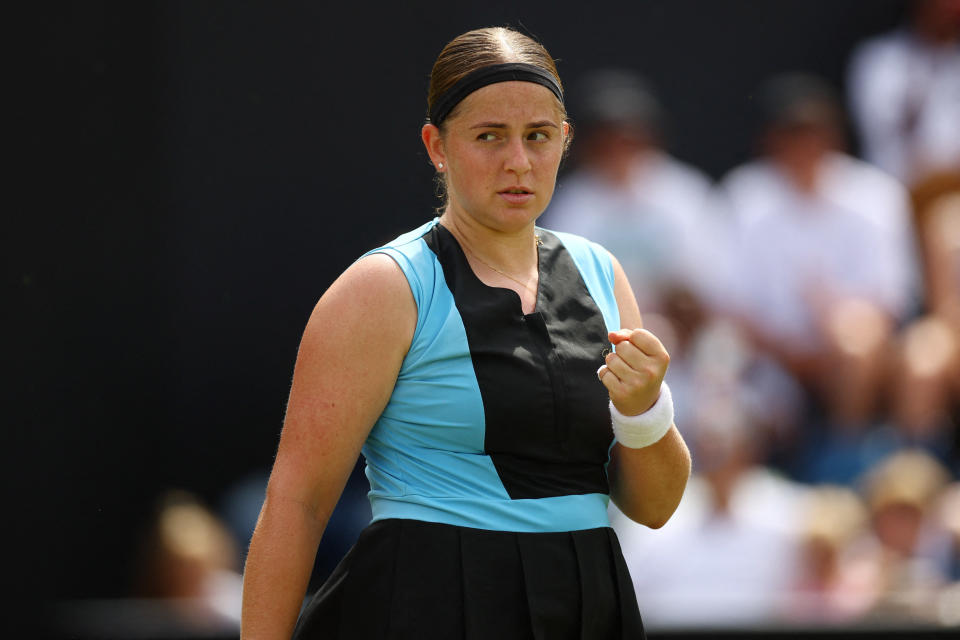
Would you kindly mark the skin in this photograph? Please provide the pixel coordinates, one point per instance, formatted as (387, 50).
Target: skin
(504, 136)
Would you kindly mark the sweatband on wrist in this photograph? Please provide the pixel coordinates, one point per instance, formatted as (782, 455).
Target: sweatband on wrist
(646, 428)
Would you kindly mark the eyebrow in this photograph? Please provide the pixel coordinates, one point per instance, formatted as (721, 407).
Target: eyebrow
(501, 125)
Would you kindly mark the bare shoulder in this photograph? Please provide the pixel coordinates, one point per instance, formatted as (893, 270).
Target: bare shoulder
(369, 303)
(374, 277)
(626, 300)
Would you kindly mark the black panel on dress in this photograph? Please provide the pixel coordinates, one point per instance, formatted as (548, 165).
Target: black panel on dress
(547, 422)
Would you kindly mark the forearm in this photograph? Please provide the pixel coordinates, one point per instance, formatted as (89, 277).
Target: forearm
(648, 483)
(278, 568)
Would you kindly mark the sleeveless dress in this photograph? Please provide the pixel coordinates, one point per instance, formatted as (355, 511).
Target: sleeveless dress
(487, 467)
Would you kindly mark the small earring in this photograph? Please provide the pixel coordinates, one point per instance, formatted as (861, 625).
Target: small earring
(439, 165)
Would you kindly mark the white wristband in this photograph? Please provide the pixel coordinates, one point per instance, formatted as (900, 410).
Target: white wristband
(646, 428)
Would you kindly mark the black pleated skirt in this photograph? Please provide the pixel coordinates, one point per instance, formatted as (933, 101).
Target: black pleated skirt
(421, 580)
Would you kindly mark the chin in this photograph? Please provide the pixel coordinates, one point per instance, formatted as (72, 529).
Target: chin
(518, 218)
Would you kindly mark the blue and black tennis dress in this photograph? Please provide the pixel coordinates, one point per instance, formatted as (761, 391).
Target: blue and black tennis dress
(487, 468)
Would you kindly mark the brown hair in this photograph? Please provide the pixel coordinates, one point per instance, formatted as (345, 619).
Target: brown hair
(481, 48)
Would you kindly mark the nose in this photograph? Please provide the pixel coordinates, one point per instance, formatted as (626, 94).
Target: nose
(517, 160)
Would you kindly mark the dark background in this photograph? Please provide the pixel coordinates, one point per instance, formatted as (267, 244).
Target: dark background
(194, 175)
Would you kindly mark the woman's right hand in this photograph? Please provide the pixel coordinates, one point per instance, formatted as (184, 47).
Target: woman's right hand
(634, 372)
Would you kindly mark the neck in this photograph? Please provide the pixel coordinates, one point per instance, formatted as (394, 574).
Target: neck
(514, 252)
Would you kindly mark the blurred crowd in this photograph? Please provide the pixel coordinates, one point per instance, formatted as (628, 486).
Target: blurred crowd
(810, 300)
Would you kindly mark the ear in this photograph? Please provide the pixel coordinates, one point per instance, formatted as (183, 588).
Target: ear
(433, 142)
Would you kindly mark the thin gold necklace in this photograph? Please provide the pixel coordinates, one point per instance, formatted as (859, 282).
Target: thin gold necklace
(523, 284)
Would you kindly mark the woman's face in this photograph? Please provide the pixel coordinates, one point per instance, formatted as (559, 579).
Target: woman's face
(502, 150)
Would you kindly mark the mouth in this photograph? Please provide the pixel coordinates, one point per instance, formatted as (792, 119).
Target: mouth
(516, 195)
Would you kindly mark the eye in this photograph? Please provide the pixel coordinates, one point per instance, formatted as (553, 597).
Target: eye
(487, 136)
(538, 136)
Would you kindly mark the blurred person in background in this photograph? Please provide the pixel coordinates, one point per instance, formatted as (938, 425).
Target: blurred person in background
(938, 212)
(729, 556)
(948, 517)
(839, 576)
(923, 398)
(627, 193)
(938, 222)
(904, 90)
(914, 549)
(826, 264)
(189, 560)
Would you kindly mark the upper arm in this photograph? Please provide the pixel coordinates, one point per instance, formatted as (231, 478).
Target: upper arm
(349, 358)
(626, 301)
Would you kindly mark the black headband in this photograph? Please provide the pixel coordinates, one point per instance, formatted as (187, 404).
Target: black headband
(492, 74)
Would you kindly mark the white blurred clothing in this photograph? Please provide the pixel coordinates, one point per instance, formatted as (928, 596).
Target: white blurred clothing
(905, 102)
(705, 568)
(655, 226)
(799, 252)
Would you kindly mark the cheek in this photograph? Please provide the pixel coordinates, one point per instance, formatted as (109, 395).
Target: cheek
(465, 160)
(467, 177)
(549, 159)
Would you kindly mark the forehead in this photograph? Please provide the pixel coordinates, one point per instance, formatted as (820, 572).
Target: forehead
(507, 102)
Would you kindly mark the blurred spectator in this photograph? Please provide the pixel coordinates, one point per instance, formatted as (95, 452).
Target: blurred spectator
(914, 549)
(628, 194)
(827, 265)
(728, 556)
(905, 93)
(948, 516)
(920, 394)
(189, 560)
(938, 220)
(924, 372)
(937, 202)
(839, 576)
(712, 365)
